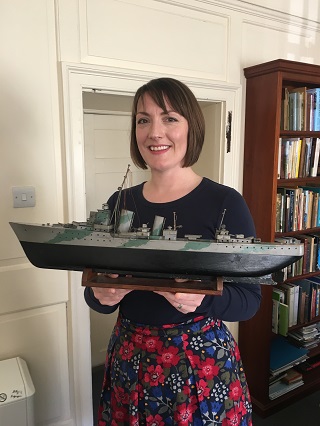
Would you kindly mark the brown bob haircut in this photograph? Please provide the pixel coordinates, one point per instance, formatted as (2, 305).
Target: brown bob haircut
(182, 100)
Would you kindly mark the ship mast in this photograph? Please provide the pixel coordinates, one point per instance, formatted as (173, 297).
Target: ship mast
(221, 223)
(116, 212)
(174, 221)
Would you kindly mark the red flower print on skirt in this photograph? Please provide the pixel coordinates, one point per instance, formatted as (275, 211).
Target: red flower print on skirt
(187, 374)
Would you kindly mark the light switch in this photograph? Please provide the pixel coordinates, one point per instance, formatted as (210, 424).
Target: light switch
(24, 196)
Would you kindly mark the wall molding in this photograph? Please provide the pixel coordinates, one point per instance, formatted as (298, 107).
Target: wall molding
(248, 8)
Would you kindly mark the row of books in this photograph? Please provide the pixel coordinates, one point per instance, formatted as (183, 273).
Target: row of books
(295, 303)
(297, 209)
(301, 109)
(309, 262)
(298, 157)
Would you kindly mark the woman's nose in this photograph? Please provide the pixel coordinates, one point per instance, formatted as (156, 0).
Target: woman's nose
(156, 130)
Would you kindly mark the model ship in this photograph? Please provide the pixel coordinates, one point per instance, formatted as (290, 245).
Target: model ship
(105, 242)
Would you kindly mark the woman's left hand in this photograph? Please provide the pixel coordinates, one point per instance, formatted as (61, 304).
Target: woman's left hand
(183, 302)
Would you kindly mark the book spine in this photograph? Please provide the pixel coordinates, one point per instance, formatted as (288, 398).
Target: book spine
(317, 110)
(315, 159)
(310, 110)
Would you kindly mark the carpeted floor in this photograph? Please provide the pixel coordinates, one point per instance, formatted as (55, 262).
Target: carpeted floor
(305, 412)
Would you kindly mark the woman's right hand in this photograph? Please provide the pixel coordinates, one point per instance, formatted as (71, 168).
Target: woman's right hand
(109, 296)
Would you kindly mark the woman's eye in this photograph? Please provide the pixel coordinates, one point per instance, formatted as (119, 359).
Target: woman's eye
(142, 121)
(171, 119)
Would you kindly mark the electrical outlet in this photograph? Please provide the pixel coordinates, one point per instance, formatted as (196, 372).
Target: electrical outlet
(24, 196)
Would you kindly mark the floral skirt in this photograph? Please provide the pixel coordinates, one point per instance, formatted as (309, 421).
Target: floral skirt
(186, 374)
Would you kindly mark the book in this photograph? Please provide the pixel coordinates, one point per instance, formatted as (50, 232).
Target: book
(277, 298)
(296, 157)
(296, 303)
(292, 376)
(310, 109)
(291, 209)
(302, 306)
(315, 296)
(297, 108)
(289, 292)
(308, 142)
(315, 208)
(284, 355)
(283, 319)
(310, 255)
(301, 107)
(306, 288)
(293, 107)
(280, 388)
(285, 110)
(289, 157)
(275, 316)
(304, 241)
(313, 98)
(316, 253)
(315, 157)
(302, 172)
(315, 190)
(279, 212)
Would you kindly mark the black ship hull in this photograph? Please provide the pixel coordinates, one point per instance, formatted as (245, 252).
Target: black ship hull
(154, 263)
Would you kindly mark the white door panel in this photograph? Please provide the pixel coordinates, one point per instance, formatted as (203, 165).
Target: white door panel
(107, 155)
(39, 336)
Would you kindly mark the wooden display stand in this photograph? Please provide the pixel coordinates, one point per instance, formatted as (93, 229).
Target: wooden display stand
(212, 286)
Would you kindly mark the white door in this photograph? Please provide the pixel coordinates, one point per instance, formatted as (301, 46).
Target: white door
(77, 79)
(107, 155)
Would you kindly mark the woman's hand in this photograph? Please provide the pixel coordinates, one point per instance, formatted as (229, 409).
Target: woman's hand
(109, 296)
(183, 302)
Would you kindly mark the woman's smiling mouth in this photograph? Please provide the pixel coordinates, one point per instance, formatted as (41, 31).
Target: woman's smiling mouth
(158, 147)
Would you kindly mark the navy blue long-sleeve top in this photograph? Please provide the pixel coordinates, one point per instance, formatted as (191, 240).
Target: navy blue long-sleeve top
(199, 212)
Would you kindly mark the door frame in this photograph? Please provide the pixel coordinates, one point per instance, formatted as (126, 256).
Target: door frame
(75, 79)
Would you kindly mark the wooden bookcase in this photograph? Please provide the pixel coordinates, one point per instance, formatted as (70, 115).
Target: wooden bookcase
(264, 88)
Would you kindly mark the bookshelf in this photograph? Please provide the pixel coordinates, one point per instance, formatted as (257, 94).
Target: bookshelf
(266, 85)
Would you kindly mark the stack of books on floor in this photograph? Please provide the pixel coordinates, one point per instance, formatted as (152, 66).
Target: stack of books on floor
(284, 357)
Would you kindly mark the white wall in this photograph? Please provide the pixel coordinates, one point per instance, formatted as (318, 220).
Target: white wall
(33, 303)
(198, 41)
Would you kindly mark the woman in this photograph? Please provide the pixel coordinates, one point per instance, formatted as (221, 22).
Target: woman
(171, 360)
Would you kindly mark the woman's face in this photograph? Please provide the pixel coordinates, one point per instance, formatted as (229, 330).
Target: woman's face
(162, 137)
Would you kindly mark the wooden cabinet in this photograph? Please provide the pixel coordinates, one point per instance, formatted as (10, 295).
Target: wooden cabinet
(265, 84)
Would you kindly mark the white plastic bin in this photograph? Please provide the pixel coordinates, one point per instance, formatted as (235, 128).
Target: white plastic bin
(16, 393)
